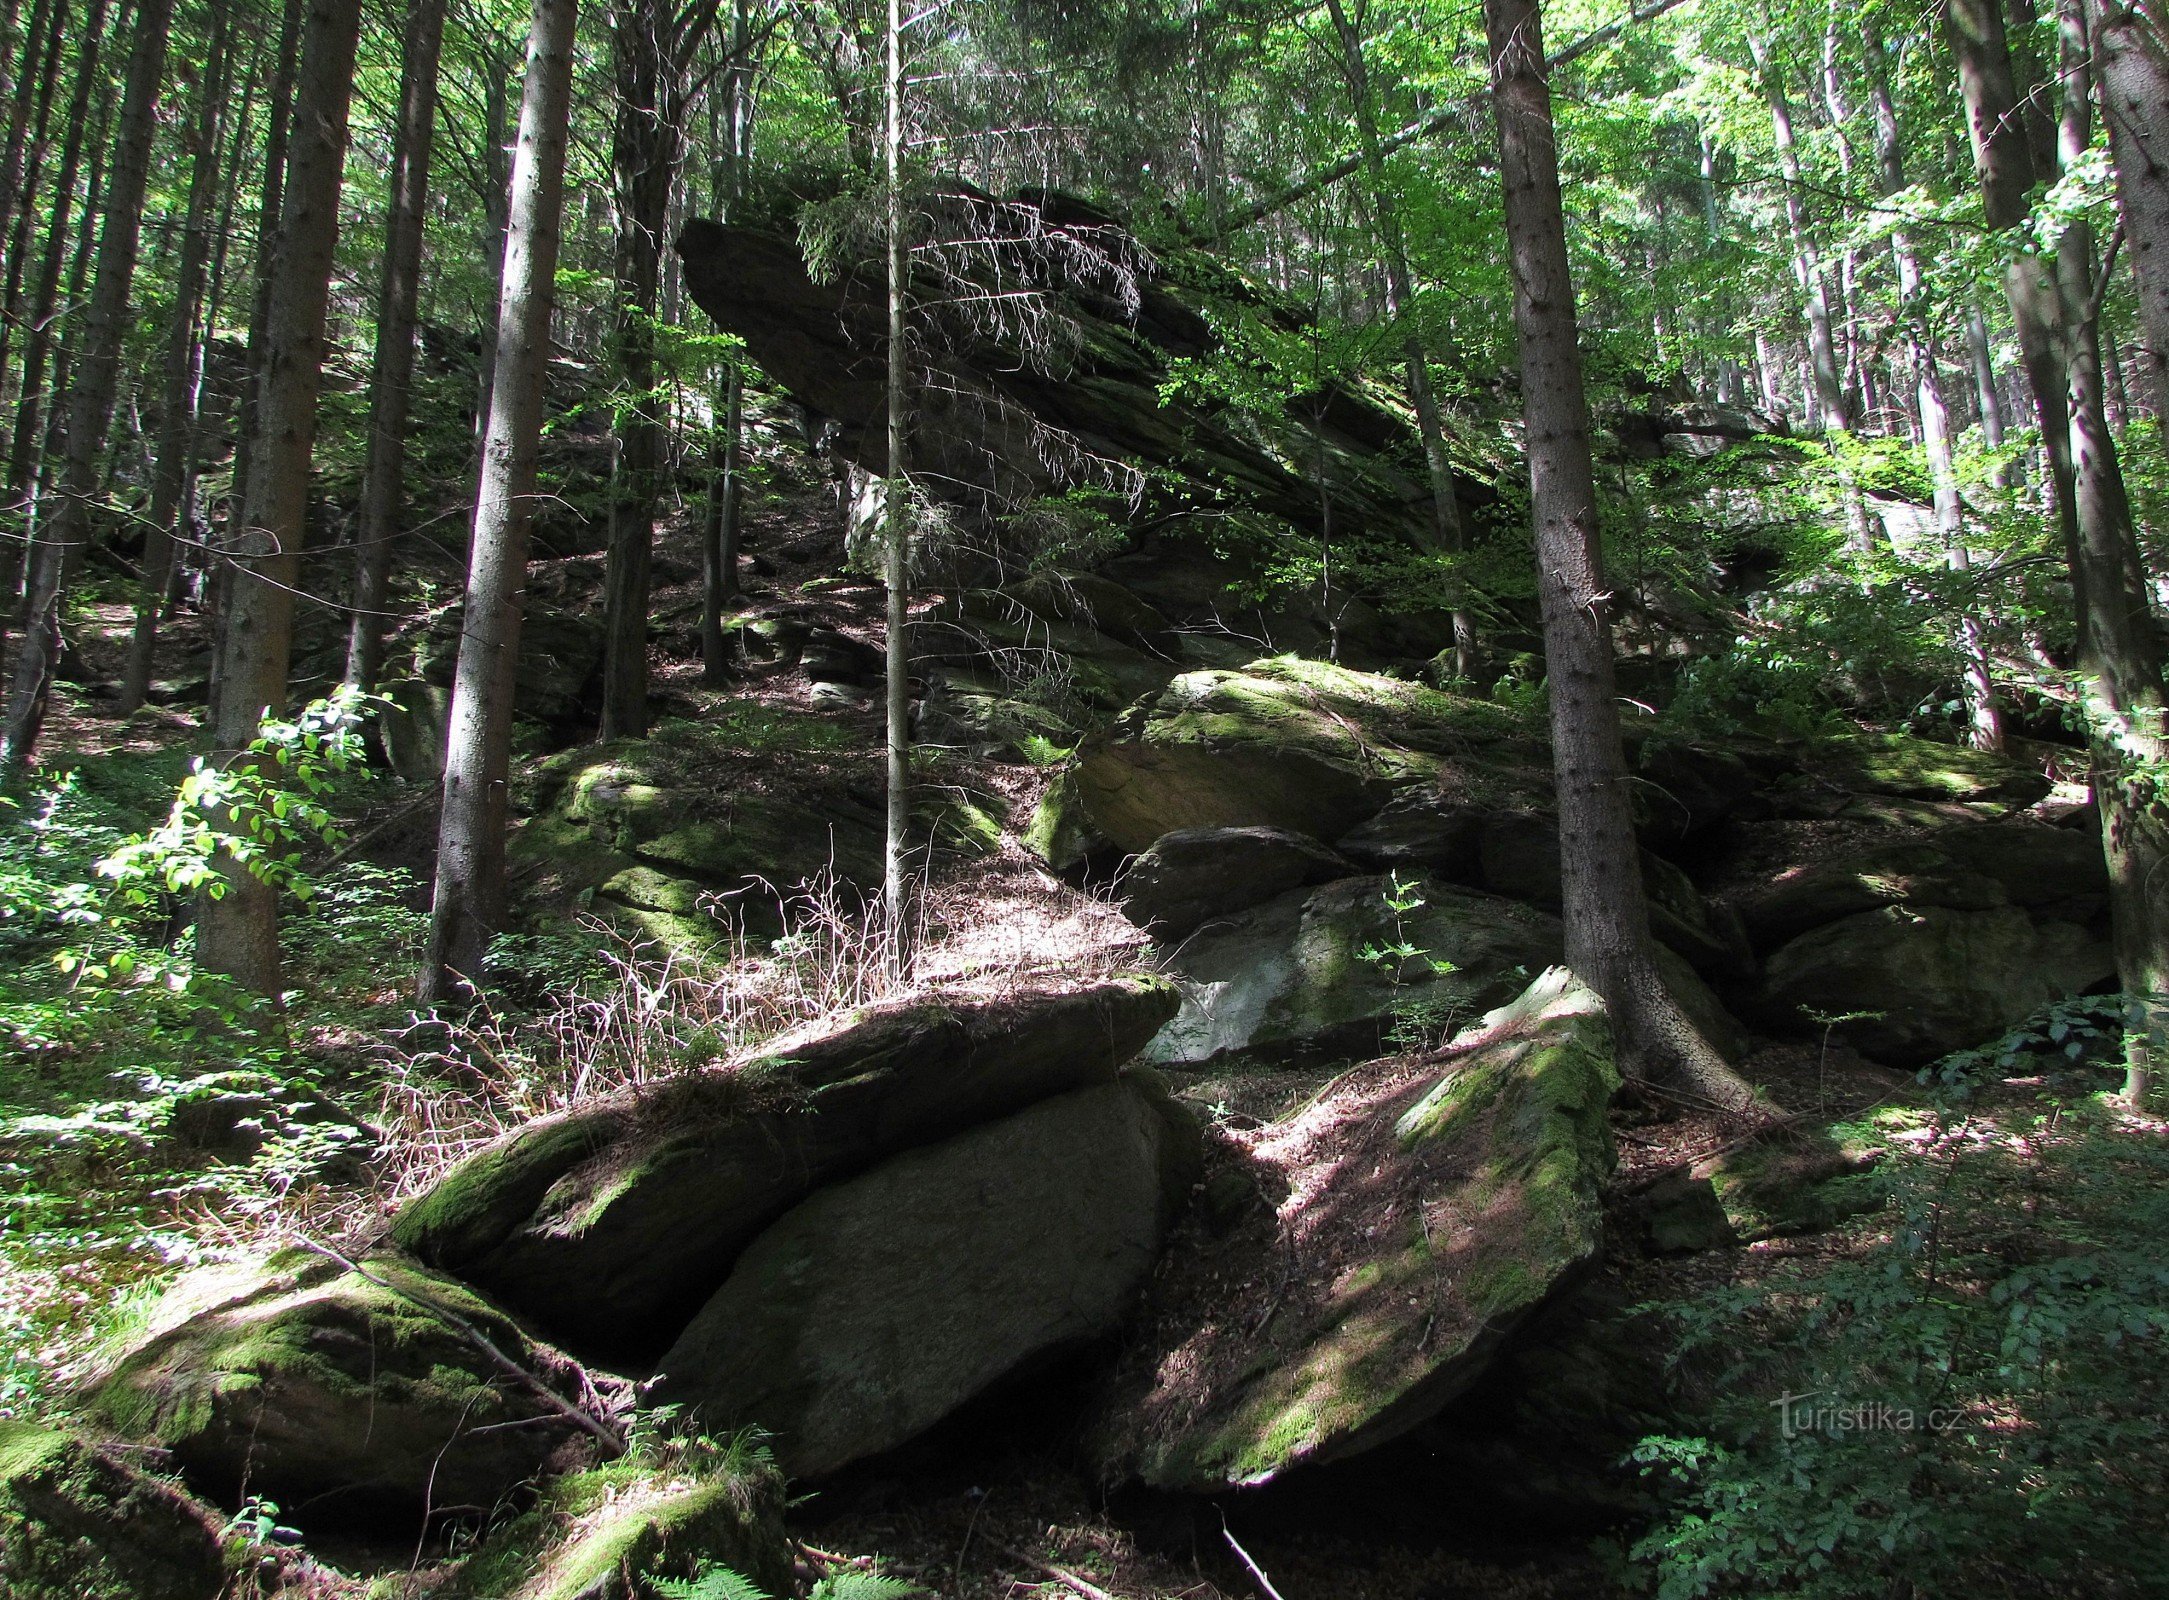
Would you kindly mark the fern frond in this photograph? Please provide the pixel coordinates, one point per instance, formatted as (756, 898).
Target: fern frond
(863, 1586)
(714, 1583)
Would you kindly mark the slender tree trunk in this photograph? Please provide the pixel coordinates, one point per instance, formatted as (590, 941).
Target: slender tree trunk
(271, 208)
(1609, 944)
(237, 932)
(31, 402)
(176, 423)
(719, 544)
(897, 499)
(2119, 655)
(1984, 716)
(391, 384)
(2134, 66)
(17, 94)
(469, 903)
(643, 154)
(34, 108)
(497, 176)
(58, 553)
(1446, 527)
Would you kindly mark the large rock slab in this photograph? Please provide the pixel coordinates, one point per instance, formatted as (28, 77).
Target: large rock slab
(1362, 963)
(1915, 982)
(342, 1395)
(79, 1523)
(1194, 874)
(609, 1226)
(881, 1305)
(1383, 1242)
(1285, 743)
(2055, 871)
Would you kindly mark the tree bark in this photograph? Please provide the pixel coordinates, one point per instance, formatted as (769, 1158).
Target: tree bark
(176, 422)
(392, 381)
(897, 499)
(2118, 653)
(720, 536)
(643, 154)
(31, 402)
(2134, 70)
(57, 555)
(1609, 945)
(237, 931)
(469, 903)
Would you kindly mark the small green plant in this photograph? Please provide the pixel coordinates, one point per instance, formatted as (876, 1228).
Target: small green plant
(721, 1583)
(1418, 1019)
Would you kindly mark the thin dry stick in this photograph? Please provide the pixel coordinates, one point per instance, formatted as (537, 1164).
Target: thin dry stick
(1243, 1556)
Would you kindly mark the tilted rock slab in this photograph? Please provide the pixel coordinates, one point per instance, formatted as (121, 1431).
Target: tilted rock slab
(609, 1226)
(340, 1394)
(879, 1306)
(1395, 1232)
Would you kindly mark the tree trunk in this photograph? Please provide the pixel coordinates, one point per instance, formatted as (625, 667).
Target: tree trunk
(897, 500)
(2119, 659)
(719, 543)
(176, 423)
(31, 402)
(392, 380)
(2135, 103)
(237, 932)
(278, 134)
(1609, 945)
(1984, 717)
(58, 552)
(469, 904)
(643, 152)
(1446, 526)
(34, 108)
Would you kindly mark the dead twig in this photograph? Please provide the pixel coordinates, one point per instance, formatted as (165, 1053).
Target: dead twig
(1243, 1556)
(1061, 1575)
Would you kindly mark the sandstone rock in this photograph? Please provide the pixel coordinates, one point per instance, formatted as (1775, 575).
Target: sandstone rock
(77, 1522)
(343, 1395)
(1285, 743)
(610, 1226)
(880, 1305)
(1921, 981)
(1293, 978)
(1428, 1210)
(1194, 874)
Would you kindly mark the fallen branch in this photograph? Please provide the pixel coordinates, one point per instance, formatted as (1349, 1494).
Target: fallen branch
(1061, 1575)
(482, 1342)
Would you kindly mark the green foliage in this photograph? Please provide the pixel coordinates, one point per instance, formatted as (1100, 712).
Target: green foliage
(720, 1583)
(1967, 1405)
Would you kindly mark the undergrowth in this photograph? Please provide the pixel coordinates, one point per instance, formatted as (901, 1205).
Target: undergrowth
(1967, 1406)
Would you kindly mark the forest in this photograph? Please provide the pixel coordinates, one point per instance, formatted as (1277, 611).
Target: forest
(1103, 799)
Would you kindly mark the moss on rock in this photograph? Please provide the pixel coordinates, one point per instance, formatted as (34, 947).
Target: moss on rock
(78, 1523)
(350, 1392)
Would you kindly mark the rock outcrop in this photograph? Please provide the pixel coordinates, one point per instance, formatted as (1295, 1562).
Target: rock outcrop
(881, 1305)
(1370, 1254)
(611, 1225)
(77, 1522)
(344, 1395)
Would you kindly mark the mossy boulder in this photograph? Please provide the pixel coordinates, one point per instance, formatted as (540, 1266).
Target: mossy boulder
(881, 1305)
(1362, 963)
(603, 1533)
(344, 1395)
(610, 1225)
(77, 1522)
(1430, 1207)
(1915, 982)
(1282, 743)
(1901, 765)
